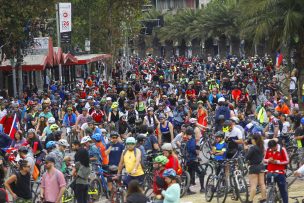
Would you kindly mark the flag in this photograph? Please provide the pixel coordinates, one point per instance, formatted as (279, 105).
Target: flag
(14, 127)
(279, 59)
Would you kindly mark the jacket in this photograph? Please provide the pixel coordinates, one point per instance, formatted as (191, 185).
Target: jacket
(280, 156)
(69, 122)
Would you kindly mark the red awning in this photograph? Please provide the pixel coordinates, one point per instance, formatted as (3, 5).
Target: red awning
(90, 58)
(69, 59)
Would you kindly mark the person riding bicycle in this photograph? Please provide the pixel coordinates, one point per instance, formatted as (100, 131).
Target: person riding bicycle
(219, 150)
(69, 119)
(47, 130)
(276, 158)
(131, 160)
(24, 153)
(151, 143)
(234, 138)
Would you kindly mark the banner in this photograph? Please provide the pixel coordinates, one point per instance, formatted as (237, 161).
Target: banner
(65, 17)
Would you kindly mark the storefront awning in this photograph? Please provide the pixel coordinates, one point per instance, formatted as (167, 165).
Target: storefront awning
(34, 62)
(90, 58)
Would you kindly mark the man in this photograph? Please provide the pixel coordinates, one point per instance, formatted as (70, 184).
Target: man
(94, 152)
(273, 127)
(299, 137)
(69, 118)
(114, 151)
(81, 119)
(46, 113)
(23, 153)
(277, 159)
(282, 107)
(252, 90)
(52, 183)
(131, 160)
(59, 155)
(234, 138)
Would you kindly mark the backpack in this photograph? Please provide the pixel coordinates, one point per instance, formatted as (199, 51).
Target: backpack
(35, 173)
(142, 162)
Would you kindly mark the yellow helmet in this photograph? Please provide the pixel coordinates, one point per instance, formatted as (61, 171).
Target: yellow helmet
(114, 105)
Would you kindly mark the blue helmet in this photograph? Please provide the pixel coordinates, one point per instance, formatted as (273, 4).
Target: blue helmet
(169, 173)
(50, 144)
(97, 137)
(302, 121)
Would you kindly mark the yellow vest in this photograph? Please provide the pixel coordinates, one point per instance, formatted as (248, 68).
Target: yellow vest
(130, 160)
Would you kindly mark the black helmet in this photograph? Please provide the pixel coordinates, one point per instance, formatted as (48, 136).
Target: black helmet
(189, 131)
(220, 134)
(141, 137)
(114, 134)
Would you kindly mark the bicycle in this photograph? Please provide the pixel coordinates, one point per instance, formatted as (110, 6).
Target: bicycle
(217, 184)
(296, 198)
(118, 192)
(272, 194)
(70, 137)
(206, 143)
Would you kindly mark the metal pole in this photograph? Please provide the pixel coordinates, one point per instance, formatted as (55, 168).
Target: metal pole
(58, 38)
(14, 76)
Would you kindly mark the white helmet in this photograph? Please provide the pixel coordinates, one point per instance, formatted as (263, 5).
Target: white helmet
(51, 120)
(167, 147)
(63, 142)
(130, 140)
(222, 99)
(85, 139)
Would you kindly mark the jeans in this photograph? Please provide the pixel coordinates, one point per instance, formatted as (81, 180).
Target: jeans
(81, 193)
(192, 169)
(280, 179)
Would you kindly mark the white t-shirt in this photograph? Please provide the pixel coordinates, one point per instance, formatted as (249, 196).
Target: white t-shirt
(293, 82)
(286, 126)
(236, 132)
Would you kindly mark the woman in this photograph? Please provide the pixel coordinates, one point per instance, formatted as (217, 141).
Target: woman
(36, 146)
(202, 114)
(123, 128)
(165, 130)
(140, 107)
(150, 119)
(19, 140)
(81, 173)
(135, 194)
(255, 155)
(172, 194)
(41, 124)
(114, 114)
(19, 184)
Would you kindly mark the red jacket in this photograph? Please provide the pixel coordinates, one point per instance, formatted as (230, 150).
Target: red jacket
(156, 189)
(280, 156)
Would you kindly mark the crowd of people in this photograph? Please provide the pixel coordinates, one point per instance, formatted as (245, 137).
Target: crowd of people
(157, 107)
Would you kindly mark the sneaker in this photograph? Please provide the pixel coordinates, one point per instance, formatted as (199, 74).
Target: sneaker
(189, 192)
(202, 190)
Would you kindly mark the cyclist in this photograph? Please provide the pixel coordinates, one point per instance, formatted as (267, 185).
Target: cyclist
(220, 148)
(158, 180)
(151, 143)
(81, 119)
(26, 155)
(94, 152)
(131, 159)
(299, 137)
(234, 138)
(276, 158)
(58, 153)
(172, 193)
(173, 162)
(97, 137)
(47, 130)
(69, 118)
(165, 130)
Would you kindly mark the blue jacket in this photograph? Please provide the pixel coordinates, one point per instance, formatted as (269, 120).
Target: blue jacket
(191, 150)
(69, 122)
(211, 98)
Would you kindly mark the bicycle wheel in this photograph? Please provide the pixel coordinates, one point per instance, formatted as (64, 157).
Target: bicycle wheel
(210, 187)
(221, 190)
(185, 183)
(270, 196)
(242, 189)
(294, 162)
(206, 149)
(68, 196)
(291, 150)
(206, 168)
(95, 190)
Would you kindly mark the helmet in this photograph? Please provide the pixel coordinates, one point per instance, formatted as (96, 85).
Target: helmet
(63, 142)
(23, 149)
(141, 137)
(167, 147)
(50, 144)
(54, 127)
(220, 134)
(160, 116)
(189, 131)
(85, 139)
(114, 105)
(114, 134)
(161, 159)
(169, 173)
(51, 120)
(192, 120)
(31, 130)
(130, 140)
(302, 121)
(200, 102)
(221, 99)
(235, 119)
(96, 137)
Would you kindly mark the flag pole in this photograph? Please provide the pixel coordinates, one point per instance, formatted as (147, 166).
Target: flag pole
(12, 125)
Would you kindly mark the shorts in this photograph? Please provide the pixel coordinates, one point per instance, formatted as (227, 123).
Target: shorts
(256, 169)
(128, 178)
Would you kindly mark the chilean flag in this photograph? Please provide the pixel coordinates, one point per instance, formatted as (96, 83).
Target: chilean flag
(14, 127)
(279, 59)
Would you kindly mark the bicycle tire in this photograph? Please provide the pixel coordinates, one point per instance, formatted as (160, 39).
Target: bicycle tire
(210, 187)
(270, 195)
(185, 183)
(207, 167)
(221, 190)
(206, 149)
(68, 196)
(291, 150)
(242, 189)
(294, 162)
(95, 190)
(104, 186)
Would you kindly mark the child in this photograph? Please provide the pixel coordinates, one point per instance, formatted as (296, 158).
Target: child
(220, 148)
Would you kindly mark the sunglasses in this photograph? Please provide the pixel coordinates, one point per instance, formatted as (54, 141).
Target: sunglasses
(114, 137)
(130, 144)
